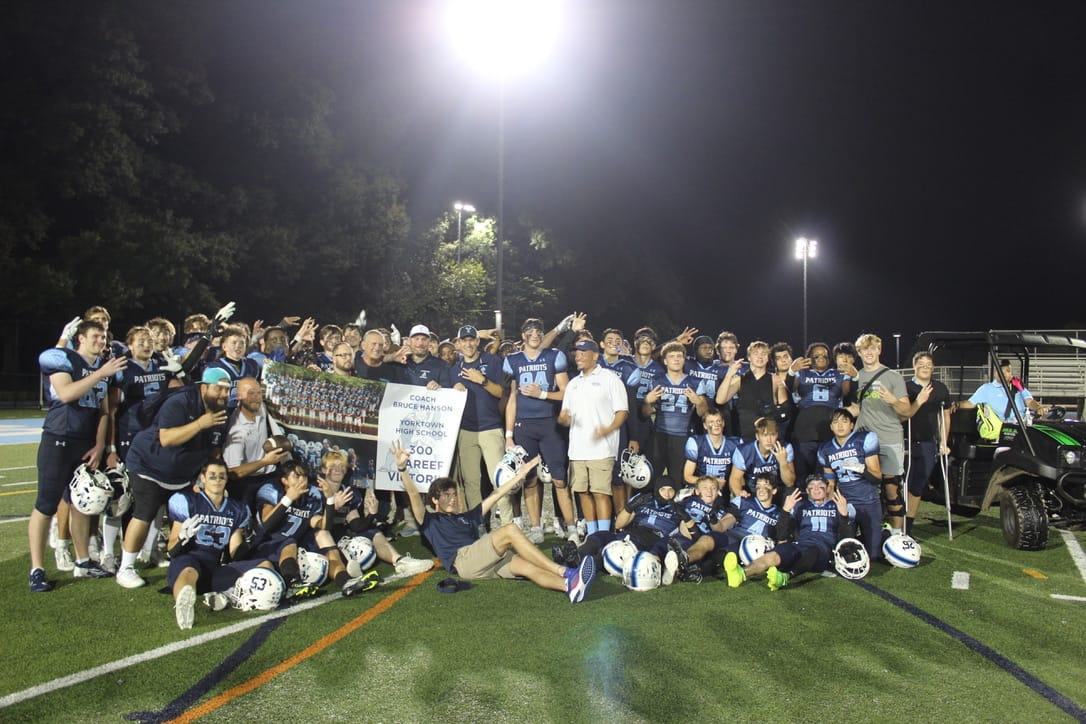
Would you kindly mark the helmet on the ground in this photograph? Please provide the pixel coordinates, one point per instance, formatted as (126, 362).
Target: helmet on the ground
(850, 559)
(359, 552)
(615, 555)
(313, 567)
(258, 589)
(641, 572)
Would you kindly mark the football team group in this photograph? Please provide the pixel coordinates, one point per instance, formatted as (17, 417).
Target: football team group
(667, 461)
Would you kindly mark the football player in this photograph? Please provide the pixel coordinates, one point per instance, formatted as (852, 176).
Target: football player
(235, 344)
(673, 399)
(760, 393)
(850, 462)
(821, 389)
(75, 431)
(756, 515)
(818, 522)
(207, 527)
(766, 455)
(539, 380)
(711, 453)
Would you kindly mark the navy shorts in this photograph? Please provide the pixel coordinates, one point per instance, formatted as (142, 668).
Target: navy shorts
(790, 553)
(210, 574)
(541, 437)
(58, 457)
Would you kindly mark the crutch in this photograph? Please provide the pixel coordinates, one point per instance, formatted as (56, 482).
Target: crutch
(944, 466)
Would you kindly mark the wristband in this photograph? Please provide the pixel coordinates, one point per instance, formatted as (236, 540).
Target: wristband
(402, 470)
(791, 372)
(111, 448)
(286, 501)
(331, 501)
(509, 434)
(542, 394)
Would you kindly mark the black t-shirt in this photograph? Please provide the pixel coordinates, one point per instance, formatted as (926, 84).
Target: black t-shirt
(386, 371)
(925, 423)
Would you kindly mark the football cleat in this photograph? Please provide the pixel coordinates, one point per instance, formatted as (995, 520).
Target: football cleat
(776, 579)
(90, 569)
(366, 582)
(63, 556)
(671, 567)
(109, 562)
(216, 601)
(734, 571)
(184, 607)
(535, 535)
(38, 582)
(691, 573)
(579, 579)
(674, 544)
(301, 589)
(566, 554)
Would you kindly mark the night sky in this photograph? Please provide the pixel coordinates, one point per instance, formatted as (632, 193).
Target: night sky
(936, 151)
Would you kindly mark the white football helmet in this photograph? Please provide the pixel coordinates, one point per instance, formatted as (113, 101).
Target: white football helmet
(753, 547)
(313, 567)
(641, 572)
(850, 559)
(359, 553)
(258, 589)
(901, 551)
(510, 464)
(122, 491)
(635, 469)
(91, 490)
(615, 555)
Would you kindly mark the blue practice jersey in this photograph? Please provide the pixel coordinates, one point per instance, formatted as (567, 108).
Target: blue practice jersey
(748, 458)
(710, 460)
(482, 409)
(136, 384)
(703, 514)
(299, 514)
(647, 373)
(77, 419)
(859, 446)
(542, 370)
(752, 518)
(217, 524)
(663, 518)
(673, 409)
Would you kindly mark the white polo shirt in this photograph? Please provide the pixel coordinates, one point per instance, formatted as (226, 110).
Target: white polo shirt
(244, 440)
(592, 402)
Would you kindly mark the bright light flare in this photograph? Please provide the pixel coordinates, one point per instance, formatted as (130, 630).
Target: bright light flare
(806, 248)
(461, 206)
(504, 37)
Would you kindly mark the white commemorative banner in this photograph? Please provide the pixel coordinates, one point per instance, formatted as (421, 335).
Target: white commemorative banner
(426, 423)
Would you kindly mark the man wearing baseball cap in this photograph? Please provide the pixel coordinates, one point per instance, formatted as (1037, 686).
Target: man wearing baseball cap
(167, 456)
(481, 440)
(423, 369)
(594, 407)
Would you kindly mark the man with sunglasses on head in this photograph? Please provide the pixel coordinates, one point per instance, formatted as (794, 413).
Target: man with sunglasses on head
(539, 380)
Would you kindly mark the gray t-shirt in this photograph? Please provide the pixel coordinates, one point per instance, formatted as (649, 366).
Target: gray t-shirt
(875, 415)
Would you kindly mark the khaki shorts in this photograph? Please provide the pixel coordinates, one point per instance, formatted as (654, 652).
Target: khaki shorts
(591, 475)
(480, 560)
(892, 458)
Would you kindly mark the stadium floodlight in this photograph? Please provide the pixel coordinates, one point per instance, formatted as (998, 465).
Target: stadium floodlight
(503, 37)
(805, 249)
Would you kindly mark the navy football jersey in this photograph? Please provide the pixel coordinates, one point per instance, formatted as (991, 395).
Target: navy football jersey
(752, 518)
(79, 418)
(542, 371)
(748, 458)
(710, 460)
(136, 384)
(301, 511)
(818, 523)
(703, 514)
(663, 518)
(839, 458)
(674, 408)
(217, 524)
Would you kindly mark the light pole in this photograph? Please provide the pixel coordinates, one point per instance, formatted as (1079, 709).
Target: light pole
(897, 348)
(805, 249)
(460, 207)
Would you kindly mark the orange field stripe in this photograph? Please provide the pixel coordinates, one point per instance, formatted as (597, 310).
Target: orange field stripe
(315, 648)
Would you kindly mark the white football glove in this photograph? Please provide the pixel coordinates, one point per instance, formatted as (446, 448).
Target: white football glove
(189, 529)
(397, 338)
(69, 329)
(566, 324)
(222, 317)
(173, 362)
(854, 466)
(360, 320)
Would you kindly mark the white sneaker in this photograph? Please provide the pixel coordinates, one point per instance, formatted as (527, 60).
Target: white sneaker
(63, 554)
(535, 535)
(94, 548)
(558, 526)
(216, 601)
(671, 564)
(184, 608)
(109, 562)
(128, 578)
(408, 566)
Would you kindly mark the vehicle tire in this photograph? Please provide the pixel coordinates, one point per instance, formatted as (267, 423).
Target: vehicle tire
(1022, 513)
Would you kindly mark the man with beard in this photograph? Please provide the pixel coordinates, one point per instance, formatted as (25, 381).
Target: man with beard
(186, 431)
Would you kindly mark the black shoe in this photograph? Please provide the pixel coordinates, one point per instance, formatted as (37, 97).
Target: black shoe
(691, 573)
(674, 545)
(566, 554)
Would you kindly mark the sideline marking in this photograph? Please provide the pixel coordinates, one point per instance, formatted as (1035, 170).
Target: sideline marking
(960, 581)
(82, 676)
(21, 467)
(18, 492)
(1062, 597)
(1039, 687)
(314, 648)
(15, 485)
(1076, 551)
(16, 520)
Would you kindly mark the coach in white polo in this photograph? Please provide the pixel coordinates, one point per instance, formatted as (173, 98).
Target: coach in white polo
(594, 408)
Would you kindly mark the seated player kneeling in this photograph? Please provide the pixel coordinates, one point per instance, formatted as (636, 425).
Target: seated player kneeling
(502, 553)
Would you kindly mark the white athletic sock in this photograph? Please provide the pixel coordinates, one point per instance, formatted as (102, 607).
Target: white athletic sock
(152, 536)
(128, 560)
(111, 531)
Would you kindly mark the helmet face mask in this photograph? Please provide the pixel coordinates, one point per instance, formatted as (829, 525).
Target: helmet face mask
(850, 559)
(635, 469)
(122, 491)
(91, 490)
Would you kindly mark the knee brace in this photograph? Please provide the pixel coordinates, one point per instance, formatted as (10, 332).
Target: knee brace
(895, 505)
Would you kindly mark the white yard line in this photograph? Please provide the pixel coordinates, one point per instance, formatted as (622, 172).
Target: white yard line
(21, 467)
(15, 520)
(1077, 555)
(1062, 597)
(15, 485)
